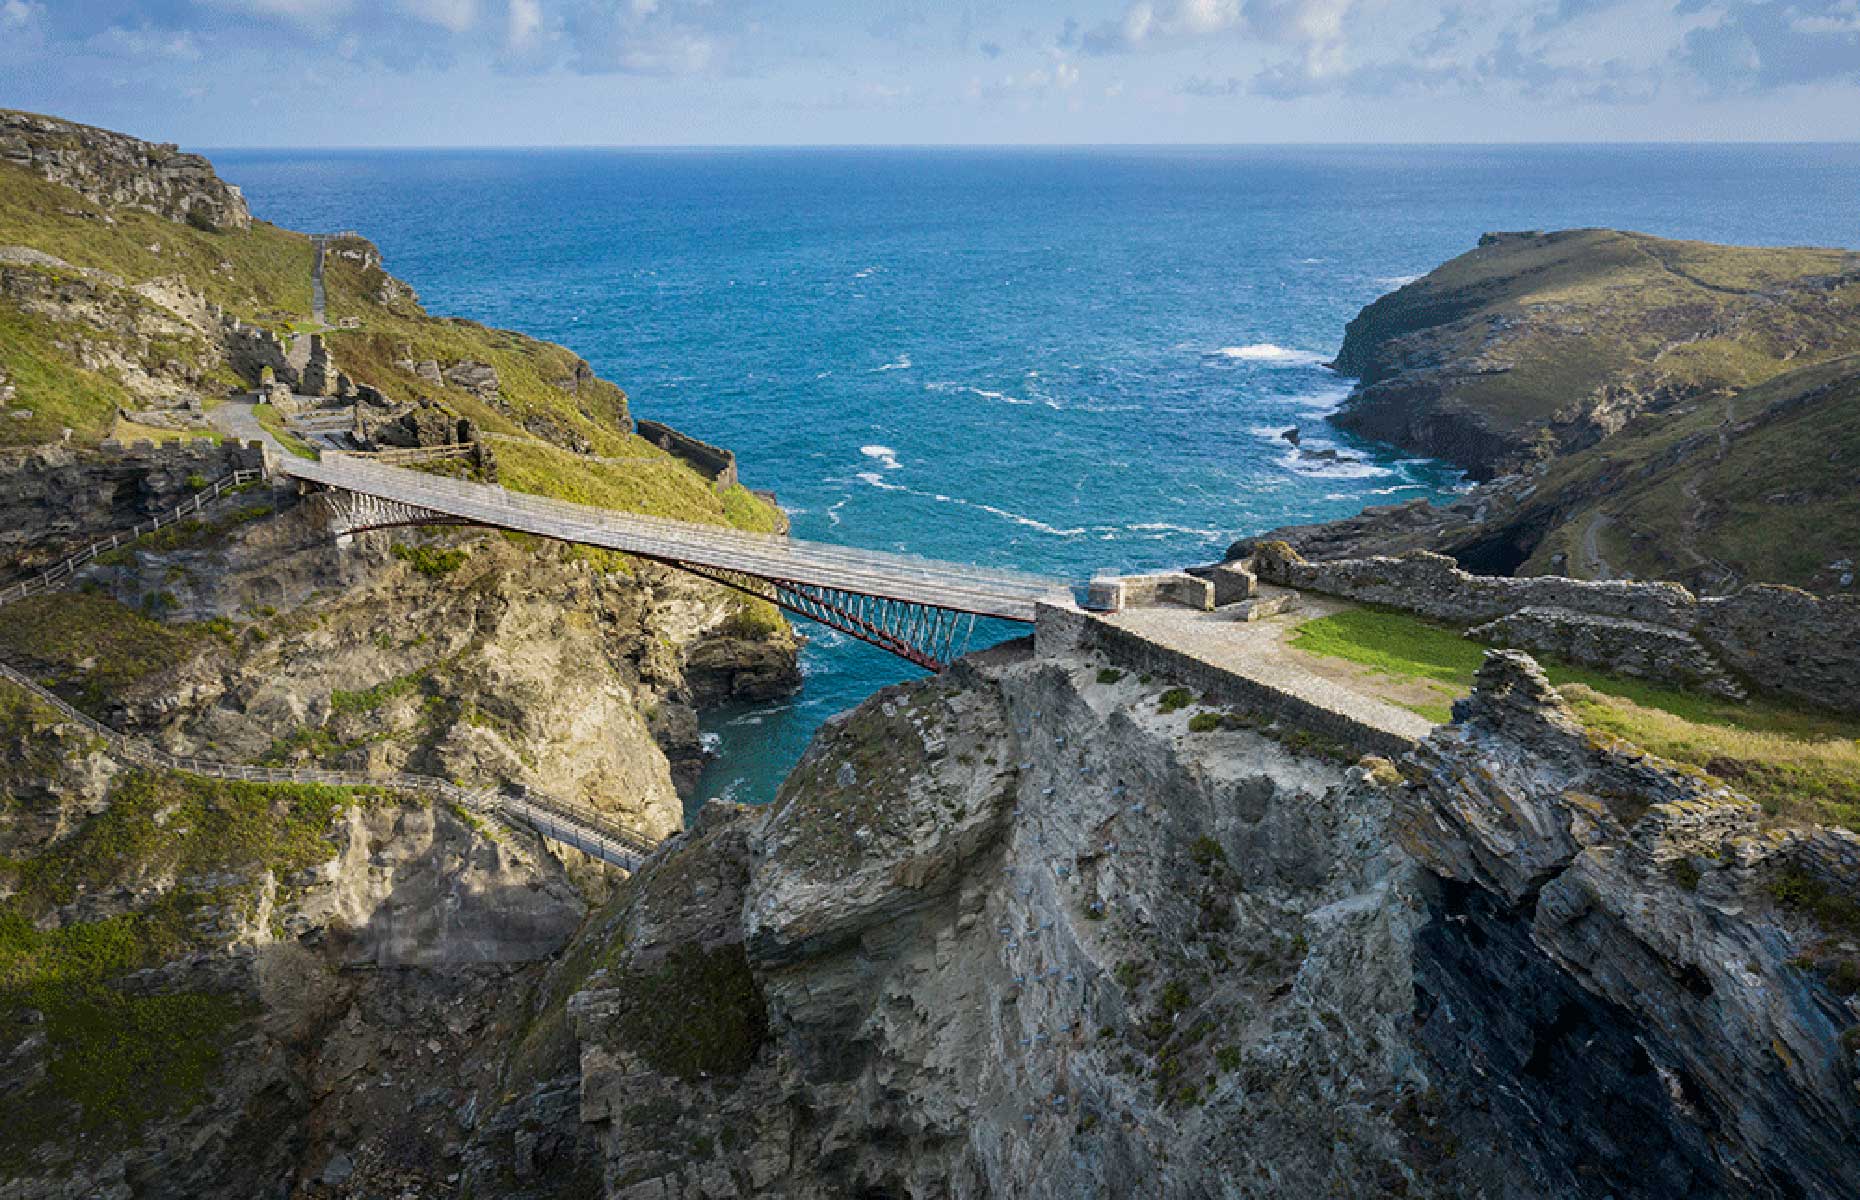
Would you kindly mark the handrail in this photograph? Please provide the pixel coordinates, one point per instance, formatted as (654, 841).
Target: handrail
(561, 821)
(68, 566)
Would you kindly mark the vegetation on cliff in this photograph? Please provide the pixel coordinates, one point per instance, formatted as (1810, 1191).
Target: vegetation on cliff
(1800, 765)
(167, 866)
(1542, 343)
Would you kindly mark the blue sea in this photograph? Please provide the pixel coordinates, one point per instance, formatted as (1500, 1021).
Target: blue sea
(1062, 360)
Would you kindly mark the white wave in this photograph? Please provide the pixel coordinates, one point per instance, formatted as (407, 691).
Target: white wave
(878, 481)
(1310, 261)
(867, 273)
(1322, 403)
(710, 742)
(1318, 468)
(1029, 522)
(1393, 488)
(886, 456)
(900, 363)
(1397, 281)
(984, 393)
(1270, 354)
(833, 510)
(1164, 527)
(1339, 496)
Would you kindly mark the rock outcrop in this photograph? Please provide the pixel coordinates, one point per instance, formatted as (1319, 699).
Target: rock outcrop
(1621, 978)
(1018, 932)
(118, 171)
(1535, 344)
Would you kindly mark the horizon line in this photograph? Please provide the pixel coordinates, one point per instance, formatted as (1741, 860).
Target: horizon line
(1258, 145)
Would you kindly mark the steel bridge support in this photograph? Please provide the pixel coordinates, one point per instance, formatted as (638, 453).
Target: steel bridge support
(352, 513)
(922, 634)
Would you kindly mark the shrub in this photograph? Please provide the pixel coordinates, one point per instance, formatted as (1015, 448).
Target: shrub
(1204, 722)
(1109, 675)
(431, 561)
(1174, 700)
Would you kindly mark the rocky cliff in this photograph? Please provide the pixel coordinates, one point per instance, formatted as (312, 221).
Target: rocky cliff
(118, 171)
(1640, 408)
(228, 989)
(1020, 932)
(1538, 344)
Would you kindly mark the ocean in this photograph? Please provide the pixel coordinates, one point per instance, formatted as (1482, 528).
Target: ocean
(1061, 360)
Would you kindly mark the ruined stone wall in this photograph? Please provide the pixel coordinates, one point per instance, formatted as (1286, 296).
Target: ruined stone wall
(1058, 632)
(717, 463)
(1765, 638)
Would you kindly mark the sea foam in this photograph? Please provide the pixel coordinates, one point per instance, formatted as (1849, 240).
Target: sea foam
(1270, 354)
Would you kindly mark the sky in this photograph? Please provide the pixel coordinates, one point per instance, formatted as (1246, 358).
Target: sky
(237, 73)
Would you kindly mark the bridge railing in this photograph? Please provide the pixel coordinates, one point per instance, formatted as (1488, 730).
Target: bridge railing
(68, 566)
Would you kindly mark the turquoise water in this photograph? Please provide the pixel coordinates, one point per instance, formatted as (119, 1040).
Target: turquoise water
(1058, 360)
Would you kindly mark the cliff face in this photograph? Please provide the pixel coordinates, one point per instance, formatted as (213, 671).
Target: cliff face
(1538, 344)
(1762, 486)
(1016, 932)
(301, 978)
(118, 171)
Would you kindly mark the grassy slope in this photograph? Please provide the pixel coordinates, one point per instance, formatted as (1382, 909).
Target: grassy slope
(1600, 306)
(1779, 502)
(1799, 765)
(269, 283)
(531, 375)
(89, 647)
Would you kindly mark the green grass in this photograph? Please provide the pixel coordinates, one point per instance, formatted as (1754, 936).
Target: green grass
(198, 849)
(655, 484)
(92, 647)
(434, 562)
(269, 283)
(1799, 764)
(272, 422)
(370, 699)
(60, 394)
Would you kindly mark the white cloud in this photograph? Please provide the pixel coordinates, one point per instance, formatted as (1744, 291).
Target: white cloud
(679, 52)
(1196, 17)
(457, 16)
(522, 22)
(143, 43)
(17, 14)
(308, 12)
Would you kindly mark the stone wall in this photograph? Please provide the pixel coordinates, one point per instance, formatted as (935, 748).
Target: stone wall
(1059, 632)
(1115, 593)
(719, 464)
(1765, 638)
(53, 499)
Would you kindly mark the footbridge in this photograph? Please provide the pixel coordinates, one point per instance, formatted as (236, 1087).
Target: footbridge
(918, 609)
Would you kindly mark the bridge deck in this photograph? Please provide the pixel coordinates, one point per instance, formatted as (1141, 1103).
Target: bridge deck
(1011, 595)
